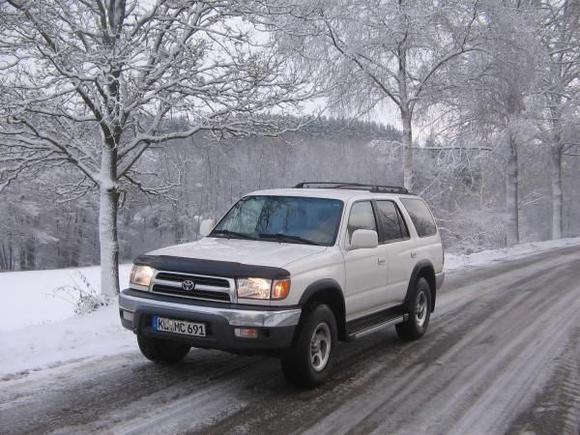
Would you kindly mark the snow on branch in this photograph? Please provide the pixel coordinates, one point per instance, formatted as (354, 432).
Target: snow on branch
(96, 86)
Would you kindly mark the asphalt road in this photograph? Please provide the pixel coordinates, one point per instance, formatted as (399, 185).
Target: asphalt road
(502, 355)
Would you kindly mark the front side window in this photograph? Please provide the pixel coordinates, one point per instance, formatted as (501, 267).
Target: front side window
(361, 218)
(421, 217)
(392, 226)
(282, 219)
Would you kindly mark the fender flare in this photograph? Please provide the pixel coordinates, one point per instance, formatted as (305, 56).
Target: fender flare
(330, 291)
(320, 285)
(422, 268)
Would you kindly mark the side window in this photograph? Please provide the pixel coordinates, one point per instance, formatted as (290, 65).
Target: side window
(403, 224)
(421, 217)
(393, 228)
(361, 218)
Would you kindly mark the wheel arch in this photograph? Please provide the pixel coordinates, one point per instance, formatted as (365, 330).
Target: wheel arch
(329, 292)
(423, 269)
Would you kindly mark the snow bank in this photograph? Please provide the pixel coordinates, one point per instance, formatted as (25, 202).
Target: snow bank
(29, 298)
(37, 347)
(460, 261)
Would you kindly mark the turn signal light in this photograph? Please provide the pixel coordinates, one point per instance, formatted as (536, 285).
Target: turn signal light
(280, 289)
(246, 332)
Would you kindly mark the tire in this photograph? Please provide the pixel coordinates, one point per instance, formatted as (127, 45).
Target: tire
(162, 351)
(418, 322)
(308, 363)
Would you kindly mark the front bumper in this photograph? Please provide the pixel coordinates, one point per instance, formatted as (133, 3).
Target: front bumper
(275, 325)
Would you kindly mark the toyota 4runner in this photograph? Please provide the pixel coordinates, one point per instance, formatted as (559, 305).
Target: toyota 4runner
(289, 272)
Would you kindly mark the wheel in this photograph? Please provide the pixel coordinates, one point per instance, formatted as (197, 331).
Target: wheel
(308, 363)
(416, 325)
(162, 351)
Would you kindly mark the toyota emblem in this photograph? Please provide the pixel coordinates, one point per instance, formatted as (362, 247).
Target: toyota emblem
(188, 285)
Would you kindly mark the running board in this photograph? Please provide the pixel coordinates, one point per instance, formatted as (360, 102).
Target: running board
(393, 319)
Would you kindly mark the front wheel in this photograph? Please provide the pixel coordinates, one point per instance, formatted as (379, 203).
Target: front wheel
(307, 364)
(162, 351)
(416, 325)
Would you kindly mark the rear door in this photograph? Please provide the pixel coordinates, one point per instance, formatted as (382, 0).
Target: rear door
(395, 241)
(427, 244)
(366, 269)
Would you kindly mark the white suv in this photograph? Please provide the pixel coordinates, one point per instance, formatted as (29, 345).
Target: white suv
(288, 272)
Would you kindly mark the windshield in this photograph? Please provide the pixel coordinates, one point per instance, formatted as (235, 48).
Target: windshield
(282, 219)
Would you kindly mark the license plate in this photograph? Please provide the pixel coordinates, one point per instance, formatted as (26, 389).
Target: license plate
(173, 326)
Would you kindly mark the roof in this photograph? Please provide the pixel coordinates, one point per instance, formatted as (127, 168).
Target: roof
(342, 194)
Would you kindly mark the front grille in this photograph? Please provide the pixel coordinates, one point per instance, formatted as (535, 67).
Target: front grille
(204, 287)
(198, 294)
(199, 280)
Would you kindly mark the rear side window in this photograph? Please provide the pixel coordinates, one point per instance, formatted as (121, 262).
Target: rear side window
(361, 218)
(390, 221)
(421, 217)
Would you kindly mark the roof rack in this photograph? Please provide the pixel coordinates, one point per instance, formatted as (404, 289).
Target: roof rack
(378, 188)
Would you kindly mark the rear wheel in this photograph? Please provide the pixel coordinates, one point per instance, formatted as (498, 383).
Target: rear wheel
(416, 325)
(308, 363)
(162, 351)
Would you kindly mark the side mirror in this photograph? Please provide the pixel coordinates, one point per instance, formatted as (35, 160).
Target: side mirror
(205, 227)
(362, 239)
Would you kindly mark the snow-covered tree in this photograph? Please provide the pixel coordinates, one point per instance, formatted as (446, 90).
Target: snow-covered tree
(558, 24)
(376, 54)
(91, 85)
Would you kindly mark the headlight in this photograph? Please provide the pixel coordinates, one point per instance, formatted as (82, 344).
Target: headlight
(141, 276)
(261, 288)
(254, 288)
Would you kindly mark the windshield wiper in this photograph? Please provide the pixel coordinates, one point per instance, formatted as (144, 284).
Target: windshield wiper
(287, 238)
(231, 234)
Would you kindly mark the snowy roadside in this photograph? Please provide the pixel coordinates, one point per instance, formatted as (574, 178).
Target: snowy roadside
(30, 298)
(58, 336)
(38, 326)
(43, 346)
(455, 262)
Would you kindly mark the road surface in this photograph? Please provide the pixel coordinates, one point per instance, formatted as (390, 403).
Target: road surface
(502, 355)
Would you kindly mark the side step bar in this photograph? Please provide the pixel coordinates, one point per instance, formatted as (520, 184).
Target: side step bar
(361, 327)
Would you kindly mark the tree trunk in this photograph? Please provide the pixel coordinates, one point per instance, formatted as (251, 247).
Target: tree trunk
(406, 119)
(513, 233)
(108, 242)
(109, 204)
(408, 179)
(556, 161)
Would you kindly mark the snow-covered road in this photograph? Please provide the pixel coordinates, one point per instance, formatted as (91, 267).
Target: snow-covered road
(502, 355)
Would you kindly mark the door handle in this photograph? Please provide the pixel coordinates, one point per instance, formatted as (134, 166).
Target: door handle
(381, 261)
(413, 254)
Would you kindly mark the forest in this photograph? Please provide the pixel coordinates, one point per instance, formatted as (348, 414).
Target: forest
(121, 129)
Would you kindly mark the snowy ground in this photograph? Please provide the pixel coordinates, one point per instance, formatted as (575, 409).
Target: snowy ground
(32, 298)
(454, 261)
(38, 327)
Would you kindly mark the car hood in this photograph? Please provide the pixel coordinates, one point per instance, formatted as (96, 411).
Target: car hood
(255, 252)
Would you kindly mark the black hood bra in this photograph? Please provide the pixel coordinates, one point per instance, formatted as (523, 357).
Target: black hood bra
(197, 266)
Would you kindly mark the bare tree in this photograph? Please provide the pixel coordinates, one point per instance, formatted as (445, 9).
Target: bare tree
(375, 52)
(559, 31)
(493, 97)
(89, 85)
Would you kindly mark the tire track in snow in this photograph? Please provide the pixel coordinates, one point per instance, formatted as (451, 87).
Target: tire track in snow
(342, 410)
(556, 409)
(390, 394)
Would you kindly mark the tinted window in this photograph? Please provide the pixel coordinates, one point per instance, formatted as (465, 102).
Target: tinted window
(282, 218)
(392, 228)
(421, 217)
(361, 218)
